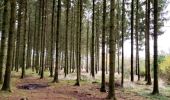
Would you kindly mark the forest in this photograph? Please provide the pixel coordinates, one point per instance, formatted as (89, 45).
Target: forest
(84, 50)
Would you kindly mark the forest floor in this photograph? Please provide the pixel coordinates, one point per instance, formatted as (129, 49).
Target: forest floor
(65, 89)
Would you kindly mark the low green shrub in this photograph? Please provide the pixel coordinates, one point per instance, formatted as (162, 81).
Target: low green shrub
(164, 69)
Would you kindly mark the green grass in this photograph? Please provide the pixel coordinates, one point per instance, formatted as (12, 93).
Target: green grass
(146, 91)
(154, 97)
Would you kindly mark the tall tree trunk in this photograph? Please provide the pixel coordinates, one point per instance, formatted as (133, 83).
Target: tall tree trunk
(73, 53)
(35, 51)
(147, 39)
(7, 78)
(132, 26)
(97, 39)
(23, 64)
(87, 48)
(137, 40)
(29, 42)
(71, 38)
(52, 40)
(79, 32)
(118, 36)
(155, 83)
(66, 39)
(112, 45)
(102, 89)
(80, 35)
(43, 39)
(123, 18)
(37, 60)
(18, 40)
(146, 28)
(4, 38)
(57, 41)
(77, 44)
(92, 43)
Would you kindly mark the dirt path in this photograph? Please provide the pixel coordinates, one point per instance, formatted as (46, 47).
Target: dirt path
(64, 91)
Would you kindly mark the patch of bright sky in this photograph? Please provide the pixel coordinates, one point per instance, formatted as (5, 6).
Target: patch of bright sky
(163, 40)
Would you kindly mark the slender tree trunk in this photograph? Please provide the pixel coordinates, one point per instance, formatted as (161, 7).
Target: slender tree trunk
(73, 53)
(72, 38)
(23, 64)
(43, 38)
(38, 39)
(14, 53)
(87, 48)
(137, 40)
(4, 38)
(155, 83)
(118, 36)
(102, 89)
(35, 51)
(79, 32)
(57, 42)
(146, 28)
(80, 35)
(97, 38)
(112, 45)
(132, 25)
(7, 78)
(66, 38)
(148, 43)
(18, 43)
(77, 44)
(29, 43)
(118, 58)
(106, 60)
(52, 40)
(92, 43)
(123, 18)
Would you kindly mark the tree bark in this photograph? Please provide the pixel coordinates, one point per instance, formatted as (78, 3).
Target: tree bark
(132, 26)
(102, 89)
(23, 64)
(147, 40)
(112, 45)
(123, 18)
(137, 40)
(66, 38)
(155, 83)
(57, 41)
(7, 78)
(4, 38)
(92, 43)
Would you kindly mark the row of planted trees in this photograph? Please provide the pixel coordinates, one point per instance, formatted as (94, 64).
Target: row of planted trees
(51, 35)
